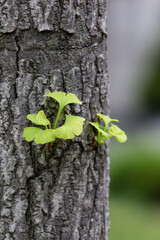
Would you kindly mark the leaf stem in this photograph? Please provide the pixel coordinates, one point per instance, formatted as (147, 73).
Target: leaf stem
(57, 118)
(98, 134)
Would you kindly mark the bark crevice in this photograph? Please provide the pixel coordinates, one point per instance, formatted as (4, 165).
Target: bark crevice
(28, 211)
(18, 49)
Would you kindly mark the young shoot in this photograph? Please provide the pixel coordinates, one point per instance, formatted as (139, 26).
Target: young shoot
(105, 132)
(72, 127)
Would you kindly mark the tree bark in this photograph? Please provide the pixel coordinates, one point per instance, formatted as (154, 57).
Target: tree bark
(58, 193)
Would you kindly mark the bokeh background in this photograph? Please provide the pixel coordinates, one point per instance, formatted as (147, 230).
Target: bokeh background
(134, 69)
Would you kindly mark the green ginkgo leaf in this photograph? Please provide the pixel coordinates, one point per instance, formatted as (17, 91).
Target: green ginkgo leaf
(118, 133)
(42, 119)
(105, 132)
(100, 129)
(45, 137)
(39, 118)
(38, 135)
(29, 133)
(106, 119)
(63, 99)
(72, 126)
(33, 119)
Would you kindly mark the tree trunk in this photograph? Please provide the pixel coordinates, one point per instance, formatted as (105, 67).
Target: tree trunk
(58, 193)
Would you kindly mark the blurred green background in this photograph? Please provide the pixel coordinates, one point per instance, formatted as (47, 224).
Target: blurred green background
(134, 58)
(135, 187)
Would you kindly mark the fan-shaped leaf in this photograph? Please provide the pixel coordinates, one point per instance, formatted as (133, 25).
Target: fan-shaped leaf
(39, 118)
(33, 119)
(118, 133)
(29, 133)
(104, 133)
(100, 129)
(106, 119)
(63, 99)
(45, 137)
(72, 126)
(42, 119)
(38, 135)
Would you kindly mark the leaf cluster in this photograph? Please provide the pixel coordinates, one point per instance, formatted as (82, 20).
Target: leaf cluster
(73, 124)
(105, 132)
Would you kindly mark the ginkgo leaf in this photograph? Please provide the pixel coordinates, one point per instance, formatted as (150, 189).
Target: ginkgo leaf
(39, 118)
(104, 133)
(42, 119)
(45, 137)
(33, 119)
(106, 119)
(100, 129)
(72, 126)
(38, 135)
(118, 133)
(29, 133)
(63, 99)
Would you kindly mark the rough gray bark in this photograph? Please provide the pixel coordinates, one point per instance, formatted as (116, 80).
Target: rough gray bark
(62, 192)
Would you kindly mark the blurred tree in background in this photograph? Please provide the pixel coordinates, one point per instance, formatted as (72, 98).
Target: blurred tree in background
(152, 76)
